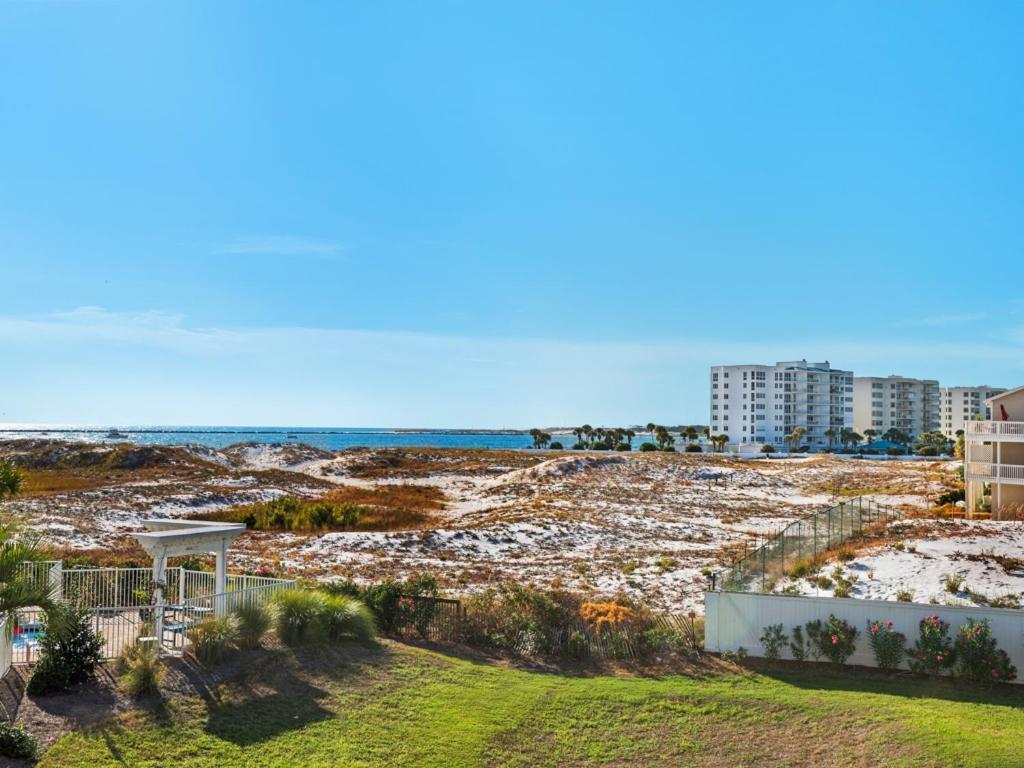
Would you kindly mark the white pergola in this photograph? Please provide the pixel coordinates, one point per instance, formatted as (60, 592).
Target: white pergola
(174, 538)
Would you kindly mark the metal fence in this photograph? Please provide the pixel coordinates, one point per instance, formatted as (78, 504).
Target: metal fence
(802, 541)
(437, 619)
(121, 602)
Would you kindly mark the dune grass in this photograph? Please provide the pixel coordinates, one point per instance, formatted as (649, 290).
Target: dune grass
(392, 507)
(391, 705)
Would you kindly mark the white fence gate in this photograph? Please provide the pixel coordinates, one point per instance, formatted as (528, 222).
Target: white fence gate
(734, 620)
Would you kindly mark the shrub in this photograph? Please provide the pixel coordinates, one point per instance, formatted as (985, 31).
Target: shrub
(345, 618)
(140, 670)
(607, 616)
(823, 582)
(799, 648)
(523, 620)
(70, 650)
(894, 452)
(253, 621)
(933, 652)
(17, 743)
(767, 448)
(556, 446)
(905, 596)
(978, 658)
(579, 446)
(888, 645)
(623, 446)
(648, 447)
(834, 638)
(213, 638)
(953, 582)
(951, 497)
(292, 513)
(927, 450)
(693, 448)
(296, 619)
(773, 640)
(383, 599)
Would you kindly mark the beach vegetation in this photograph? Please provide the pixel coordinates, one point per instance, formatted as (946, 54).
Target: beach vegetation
(70, 650)
(140, 670)
(213, 638)
(17, 743)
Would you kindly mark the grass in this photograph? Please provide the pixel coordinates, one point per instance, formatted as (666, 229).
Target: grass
(392, 507)
(392, 705)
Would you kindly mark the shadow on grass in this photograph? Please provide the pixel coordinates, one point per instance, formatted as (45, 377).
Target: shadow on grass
(905, 684)
(280, 693)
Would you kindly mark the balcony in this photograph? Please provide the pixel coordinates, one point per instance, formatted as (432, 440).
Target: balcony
(993, 473)
(1011, 431)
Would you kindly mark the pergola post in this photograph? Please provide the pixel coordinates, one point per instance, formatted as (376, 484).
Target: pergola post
(220, 574)
(159, 579)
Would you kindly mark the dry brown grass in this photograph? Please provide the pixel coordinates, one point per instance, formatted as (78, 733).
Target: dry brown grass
(422, 462)
(392, 507)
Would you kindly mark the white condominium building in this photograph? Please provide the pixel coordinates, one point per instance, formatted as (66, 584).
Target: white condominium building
(764, 403)
(960, 404)
(895, 402)
(994, 459)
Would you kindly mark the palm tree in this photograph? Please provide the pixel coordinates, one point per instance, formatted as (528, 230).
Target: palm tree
(18, 590)
(11, 480)
(720, 441)
(787, 440)
(798, 436)
(870, 434)
(587, 432)
(831, 435)
(690, 434)
(651, 427)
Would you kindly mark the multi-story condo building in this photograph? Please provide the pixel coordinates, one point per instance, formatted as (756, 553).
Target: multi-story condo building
(895, 402)
(960, 404)
(764, 403)
(994, 459)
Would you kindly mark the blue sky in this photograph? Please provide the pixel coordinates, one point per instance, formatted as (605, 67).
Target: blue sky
(466, 214)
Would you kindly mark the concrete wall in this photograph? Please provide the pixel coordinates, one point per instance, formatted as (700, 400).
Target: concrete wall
(734, 619)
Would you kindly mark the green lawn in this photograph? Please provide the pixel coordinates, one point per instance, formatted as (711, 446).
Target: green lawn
(399, 706)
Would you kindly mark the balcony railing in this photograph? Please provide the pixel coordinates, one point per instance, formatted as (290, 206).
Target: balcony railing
(1003, 473)
(1014, 430)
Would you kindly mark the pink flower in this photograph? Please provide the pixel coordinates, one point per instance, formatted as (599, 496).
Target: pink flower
(889, 624)
(834, 639)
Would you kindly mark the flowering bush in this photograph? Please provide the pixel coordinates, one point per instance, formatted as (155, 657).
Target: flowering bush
(977, 656)
(606, 615)
(888, 645)
(933, 652)
(834, 638)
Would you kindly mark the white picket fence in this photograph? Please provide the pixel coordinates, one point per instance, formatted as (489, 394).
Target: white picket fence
(734, 620)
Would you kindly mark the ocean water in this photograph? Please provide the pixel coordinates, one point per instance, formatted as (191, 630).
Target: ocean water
(326, 438)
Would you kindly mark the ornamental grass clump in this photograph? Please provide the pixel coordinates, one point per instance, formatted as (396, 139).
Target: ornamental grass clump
(213, 638)
(834, 638)
(297, 618)
(139, 669)
(253, 622)
(933, 652)
(345, 618)
(888, 645)
(978, 658)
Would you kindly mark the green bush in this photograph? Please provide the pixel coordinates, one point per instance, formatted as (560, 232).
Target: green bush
(253, 621)
(140, 670)
(767, 448)
(933, 652)
(951, 497)
(773, 640)
(799, 647)
(888, 645)
(17, 743)
(70, 650)
(213, 638)
(693, 448)
(556, 446)
(297, 616)
(623, 447)
(835, 638)
(346, 618)
(978, 658)
(648, 447)
(383, 599)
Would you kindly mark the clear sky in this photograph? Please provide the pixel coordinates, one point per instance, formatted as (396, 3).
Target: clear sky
(498, 214)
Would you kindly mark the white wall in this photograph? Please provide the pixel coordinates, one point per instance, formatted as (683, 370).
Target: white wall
(6, 648)
(733, 620)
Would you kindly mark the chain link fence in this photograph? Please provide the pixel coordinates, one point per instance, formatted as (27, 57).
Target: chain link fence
(802, 541)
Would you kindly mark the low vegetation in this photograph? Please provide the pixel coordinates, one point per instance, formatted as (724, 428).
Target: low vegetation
(309, 616)
(17, 743)
(387, 508)
(69, 650)
(377, 706)
(139, 669)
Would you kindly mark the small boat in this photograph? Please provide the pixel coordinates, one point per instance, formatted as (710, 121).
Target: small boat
(115, 435)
